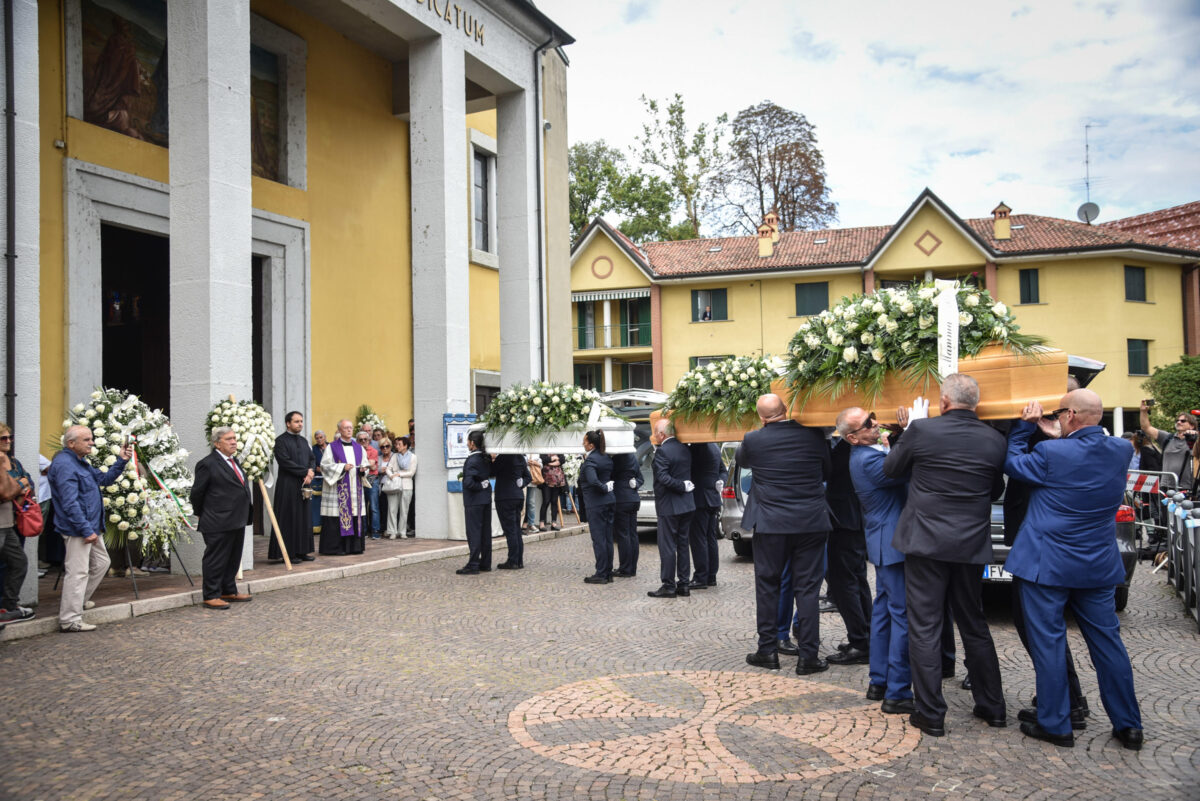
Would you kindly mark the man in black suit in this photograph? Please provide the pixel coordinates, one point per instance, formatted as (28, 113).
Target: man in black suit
(790, 520)
(674, 505)
(955, 467)
(221, 499)
(709, 475)
(847, 570)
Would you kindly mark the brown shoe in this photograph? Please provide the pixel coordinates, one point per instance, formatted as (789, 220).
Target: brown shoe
(215, 603)
(237, 598)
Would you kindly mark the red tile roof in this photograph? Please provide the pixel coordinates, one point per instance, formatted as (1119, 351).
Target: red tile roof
(794, 250)
(1048, 234)
(1178, 226)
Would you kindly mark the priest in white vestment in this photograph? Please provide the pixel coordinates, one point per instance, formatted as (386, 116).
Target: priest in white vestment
(343, 503)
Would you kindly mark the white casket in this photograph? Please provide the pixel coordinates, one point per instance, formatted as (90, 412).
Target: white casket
(618, 438)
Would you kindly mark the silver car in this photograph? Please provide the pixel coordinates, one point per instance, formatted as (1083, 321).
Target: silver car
(733, 502)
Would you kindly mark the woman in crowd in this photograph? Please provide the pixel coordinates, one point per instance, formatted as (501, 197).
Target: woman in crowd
(318, 448)
(477, 506)
(555, 479)
(12, 547)
(407, 460)
(627, 480)
(596, 486)
(389, 486)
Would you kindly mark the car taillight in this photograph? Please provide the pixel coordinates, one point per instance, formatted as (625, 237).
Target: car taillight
(729, 493)
(1125, 514)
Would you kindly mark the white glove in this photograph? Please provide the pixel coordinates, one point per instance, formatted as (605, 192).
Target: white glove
(633, 483)
(688, 486)
(485, 484)
(608, 485)
(520, 483)
(720, 486)
(919, 410)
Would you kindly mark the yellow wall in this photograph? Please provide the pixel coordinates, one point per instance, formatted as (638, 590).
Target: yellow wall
(1096, 322)
(625, 274)
(955, 252)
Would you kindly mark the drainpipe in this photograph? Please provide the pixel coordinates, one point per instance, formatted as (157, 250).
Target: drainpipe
(10, 217)
(539, 132)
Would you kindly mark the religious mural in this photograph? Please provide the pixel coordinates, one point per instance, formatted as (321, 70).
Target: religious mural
(125, 78)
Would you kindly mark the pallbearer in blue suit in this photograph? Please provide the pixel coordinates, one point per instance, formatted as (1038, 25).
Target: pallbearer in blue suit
(1066, 556)
(882, 500)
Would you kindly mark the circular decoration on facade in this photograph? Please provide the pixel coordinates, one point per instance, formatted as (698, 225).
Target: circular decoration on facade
(710, 726)
(598, 267)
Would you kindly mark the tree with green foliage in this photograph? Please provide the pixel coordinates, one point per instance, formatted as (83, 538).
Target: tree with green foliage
(690, 158)
(1175, 388)
(601, 182)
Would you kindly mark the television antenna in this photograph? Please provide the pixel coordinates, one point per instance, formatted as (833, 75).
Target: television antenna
(1089, 210)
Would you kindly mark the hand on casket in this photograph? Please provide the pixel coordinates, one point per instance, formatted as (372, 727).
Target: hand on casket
(919, 410)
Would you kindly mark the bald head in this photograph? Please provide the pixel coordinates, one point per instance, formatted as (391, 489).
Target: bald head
(1086, 404)
(771, 408)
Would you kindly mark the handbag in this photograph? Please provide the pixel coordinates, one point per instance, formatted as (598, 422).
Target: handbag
(28, 515)
(535, 473)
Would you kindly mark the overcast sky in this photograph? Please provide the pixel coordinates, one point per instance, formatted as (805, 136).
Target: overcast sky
(979, 101)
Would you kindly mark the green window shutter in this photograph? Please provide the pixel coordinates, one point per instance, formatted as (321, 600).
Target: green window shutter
(624, 327)
(720, 307)
(692, 362)
(643, 315)
(1135, 283)
(697, 306)
(1029, 286)
(812, 298)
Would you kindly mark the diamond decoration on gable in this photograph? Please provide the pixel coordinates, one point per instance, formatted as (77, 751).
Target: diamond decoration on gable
(927, 243)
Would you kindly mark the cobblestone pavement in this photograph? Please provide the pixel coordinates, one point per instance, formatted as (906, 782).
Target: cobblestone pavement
(416, 683)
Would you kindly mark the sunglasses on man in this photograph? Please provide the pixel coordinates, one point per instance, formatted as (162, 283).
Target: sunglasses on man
(866, 426)
(1054, 414)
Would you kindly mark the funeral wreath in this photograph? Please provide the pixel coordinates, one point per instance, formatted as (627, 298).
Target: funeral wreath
(255, 433)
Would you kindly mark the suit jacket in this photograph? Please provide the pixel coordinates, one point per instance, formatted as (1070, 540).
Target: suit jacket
(882, 500)
(476, 470)
(672, 466)
(839, 490)
(506, 469)
(1069, 537)
(789, 463)
(594, 473)
(955, 467)
(625, 467)
(707, 470)
(220, 500)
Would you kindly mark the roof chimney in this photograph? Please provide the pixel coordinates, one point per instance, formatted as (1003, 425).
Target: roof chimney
(772, 219)
(1001, 225)
(766, 244)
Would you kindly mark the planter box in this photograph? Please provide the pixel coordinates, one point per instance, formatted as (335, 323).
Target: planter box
(1007, 381)
(618, 438)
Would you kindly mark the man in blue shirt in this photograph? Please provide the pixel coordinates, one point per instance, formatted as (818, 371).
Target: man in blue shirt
(1066, 556)
(79, 518)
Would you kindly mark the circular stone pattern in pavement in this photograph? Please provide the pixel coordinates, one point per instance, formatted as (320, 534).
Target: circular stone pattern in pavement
(710, 726)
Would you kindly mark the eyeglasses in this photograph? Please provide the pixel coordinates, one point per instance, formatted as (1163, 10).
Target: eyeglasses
(1180, 420)
(1054, 414)
(6, 438)
(866, 426)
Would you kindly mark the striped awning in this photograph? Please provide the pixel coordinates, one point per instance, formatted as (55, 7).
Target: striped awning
(611, 294)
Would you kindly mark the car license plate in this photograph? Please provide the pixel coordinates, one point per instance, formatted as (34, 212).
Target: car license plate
(996, 573)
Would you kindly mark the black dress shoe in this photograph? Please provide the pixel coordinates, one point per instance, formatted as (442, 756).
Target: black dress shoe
(467, 571)
(681, 589)
(875, 692)
(989, 718)
(843, 646)
(624, 575)
(898, 706)
(1079, 710)
(483, 569)
(1029, 715)
(308, 557)
(787, 647)
(506, 566)
(807, 666)
(697, 585)
(932, 728)
(1035, 731)
(948, 671)
(597, 580)
(851, 656)
(826, 606)
(966, 683)
(1130, 738)
(712, 582)
(763, 659)
(665, 591)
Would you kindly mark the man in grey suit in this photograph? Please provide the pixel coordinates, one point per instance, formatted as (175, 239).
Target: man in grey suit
(674, 505)
(790, 520)
(955, 467)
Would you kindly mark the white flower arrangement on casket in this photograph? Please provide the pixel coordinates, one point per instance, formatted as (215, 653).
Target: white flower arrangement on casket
(541, 407)
(859, 341)
(255, 433)
(153, 507)
(725, 391)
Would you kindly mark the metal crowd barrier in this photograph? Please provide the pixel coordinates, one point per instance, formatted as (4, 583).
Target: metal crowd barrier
(1183, 557)
(1144, 491)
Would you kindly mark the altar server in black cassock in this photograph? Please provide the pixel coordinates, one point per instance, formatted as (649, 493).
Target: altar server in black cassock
(296, 469)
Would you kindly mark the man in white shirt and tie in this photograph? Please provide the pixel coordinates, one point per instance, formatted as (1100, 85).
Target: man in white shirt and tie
(222, 501)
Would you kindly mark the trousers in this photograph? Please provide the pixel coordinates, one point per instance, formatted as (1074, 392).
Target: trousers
(479, 535)
(772, 553)
(846, 576)
(222, 558)
(625, 534)
(509, 513)
(84, 568)
(889, 633)
(397, 507)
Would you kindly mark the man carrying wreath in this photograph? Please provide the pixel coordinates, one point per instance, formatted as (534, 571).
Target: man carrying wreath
(343, 504)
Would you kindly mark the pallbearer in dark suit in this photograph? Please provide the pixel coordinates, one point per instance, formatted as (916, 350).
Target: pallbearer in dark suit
(511, 473)
(674, 506)
(954, 465)
(709, 474)
(296, 469)
(790, 519)
(627, 480)
(846, 573)
(1066, 556)
(477, 506)
(596, 484)
(221, 499)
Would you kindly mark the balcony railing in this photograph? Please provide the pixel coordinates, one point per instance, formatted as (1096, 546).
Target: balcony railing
(628, 335)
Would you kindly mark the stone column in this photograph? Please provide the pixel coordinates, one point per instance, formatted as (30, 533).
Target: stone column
(210, 212)
(440, 274)
(27, 423)
(516, 232)
(990, 282)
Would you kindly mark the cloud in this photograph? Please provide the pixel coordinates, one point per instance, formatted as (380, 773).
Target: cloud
(883, 55)
(803, 45)
(941, 73)
(966, 154)
(638, 10)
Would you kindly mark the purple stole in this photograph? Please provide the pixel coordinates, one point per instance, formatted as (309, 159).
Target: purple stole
(347, 522)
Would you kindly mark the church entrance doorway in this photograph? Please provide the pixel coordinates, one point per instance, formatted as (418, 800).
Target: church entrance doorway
(136, 317)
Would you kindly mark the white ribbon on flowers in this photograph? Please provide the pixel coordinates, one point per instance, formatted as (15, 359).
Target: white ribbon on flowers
(947, 322)
(268, 477)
